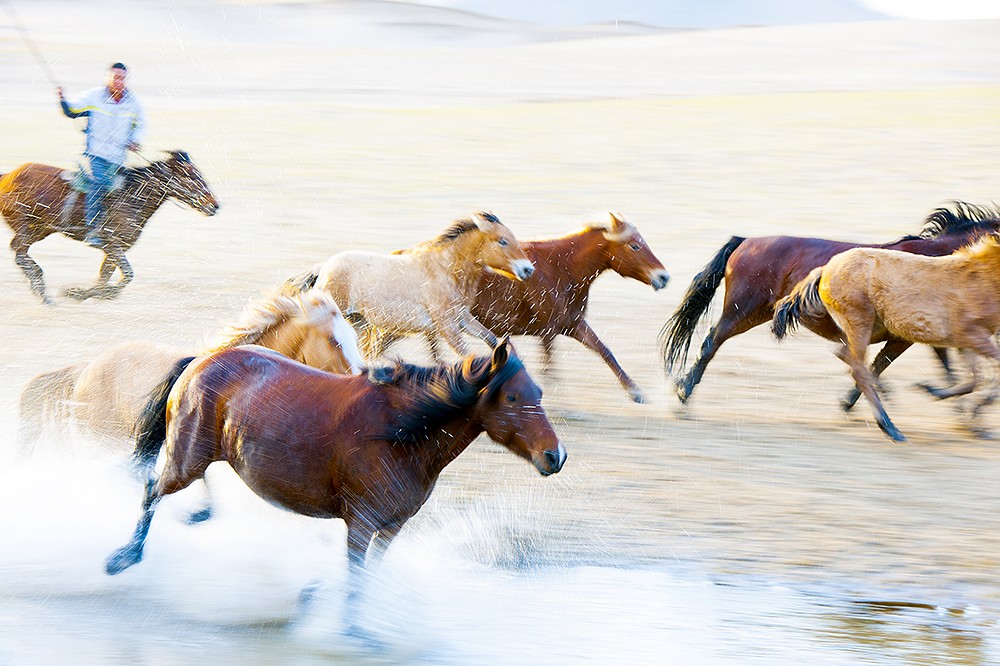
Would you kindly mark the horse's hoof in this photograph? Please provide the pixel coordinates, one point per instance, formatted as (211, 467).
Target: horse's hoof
(682, 391)
(892, 433)
(122, 559)
(934, 391)
(200, 516)
(635, 393)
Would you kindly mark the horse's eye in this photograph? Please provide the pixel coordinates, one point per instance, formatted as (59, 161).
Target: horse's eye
(510, 397)
(502, 242)
(634, 247)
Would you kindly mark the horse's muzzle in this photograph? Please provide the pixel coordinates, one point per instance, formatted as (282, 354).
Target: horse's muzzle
(658, 279)
(523, 269)
(551, 461)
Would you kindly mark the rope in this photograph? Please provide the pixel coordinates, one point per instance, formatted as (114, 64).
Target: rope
(26, 38)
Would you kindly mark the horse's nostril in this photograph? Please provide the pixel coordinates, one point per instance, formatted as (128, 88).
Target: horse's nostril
(528, 270)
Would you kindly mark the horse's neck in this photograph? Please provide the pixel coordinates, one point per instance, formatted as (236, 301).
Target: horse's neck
(583, 256)
(461, 261)
(450, 440)
(142, 197)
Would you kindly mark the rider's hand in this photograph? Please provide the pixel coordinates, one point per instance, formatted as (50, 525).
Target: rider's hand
(59, 91)
(134, 147)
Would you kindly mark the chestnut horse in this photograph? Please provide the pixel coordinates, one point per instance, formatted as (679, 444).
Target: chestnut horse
(427, 289)
(951, 301)
(365, 449)
(36, 202)
(760, 271)
(553, 301)
(106, 395)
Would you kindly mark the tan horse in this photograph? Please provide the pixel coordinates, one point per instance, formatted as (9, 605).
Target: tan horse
(37, 202)
(951, 301)
(105, 396)
(428, 289)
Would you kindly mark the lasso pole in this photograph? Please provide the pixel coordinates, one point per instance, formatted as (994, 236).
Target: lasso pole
(26, 38)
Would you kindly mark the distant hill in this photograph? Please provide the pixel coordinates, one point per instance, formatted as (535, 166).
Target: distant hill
(668, 13)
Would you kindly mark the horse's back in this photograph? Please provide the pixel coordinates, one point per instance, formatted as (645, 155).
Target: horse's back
(385, 289)
(114, 387)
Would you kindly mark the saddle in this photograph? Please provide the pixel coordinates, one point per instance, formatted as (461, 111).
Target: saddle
(80, 181)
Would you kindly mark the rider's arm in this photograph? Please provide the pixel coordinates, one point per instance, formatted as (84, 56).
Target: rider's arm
(138, 131)
(75, 109)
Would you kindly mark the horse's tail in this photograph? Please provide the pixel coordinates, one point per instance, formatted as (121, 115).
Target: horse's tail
(803, 302)
(46, 399)
(301, 282)
(676, 334)
(150, 430)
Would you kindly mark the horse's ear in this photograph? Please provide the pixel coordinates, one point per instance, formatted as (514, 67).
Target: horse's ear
(617, 220)
(484, 220)
(500, 354)
(382, 375)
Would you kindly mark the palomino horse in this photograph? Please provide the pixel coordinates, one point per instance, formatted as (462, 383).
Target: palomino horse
(365, 449)
(106, 395)
(760, 271)
(426, 289)
(35, 201)
(951, 301)
(553, 301)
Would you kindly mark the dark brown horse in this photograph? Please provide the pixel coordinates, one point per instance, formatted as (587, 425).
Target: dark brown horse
(366, 449)
(36, 202)
(553, 301)
(760, 271)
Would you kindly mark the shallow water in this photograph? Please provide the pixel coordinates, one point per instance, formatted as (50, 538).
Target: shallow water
(467, 582)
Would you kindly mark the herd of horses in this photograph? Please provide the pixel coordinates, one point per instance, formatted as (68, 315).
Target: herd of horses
(298, 398)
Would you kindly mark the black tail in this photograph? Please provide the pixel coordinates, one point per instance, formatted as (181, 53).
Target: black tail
(151, 429)
(676, 334)
(804, 302)
(301, 282)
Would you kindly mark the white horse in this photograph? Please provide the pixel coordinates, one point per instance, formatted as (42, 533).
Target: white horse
(428, 289)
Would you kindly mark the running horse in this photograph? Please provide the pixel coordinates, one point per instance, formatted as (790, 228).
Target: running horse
(105, 396)
(951, 301)
(760, 271)
(553, 301)
(366, 449)
(36, 201)
(427, 289)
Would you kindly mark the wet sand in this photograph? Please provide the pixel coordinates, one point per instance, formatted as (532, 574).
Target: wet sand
(757, 521)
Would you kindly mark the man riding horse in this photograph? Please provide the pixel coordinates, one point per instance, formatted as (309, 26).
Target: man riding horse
(115, 125)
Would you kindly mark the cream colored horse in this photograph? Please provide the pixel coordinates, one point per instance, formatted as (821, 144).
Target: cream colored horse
(427, 289)
(104, 397)
(950, 301)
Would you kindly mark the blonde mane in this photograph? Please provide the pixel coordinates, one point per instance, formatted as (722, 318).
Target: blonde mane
(314, 307)
(981, 248)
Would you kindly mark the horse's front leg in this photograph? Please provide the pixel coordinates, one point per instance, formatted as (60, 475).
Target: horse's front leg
(451, 332)
(366, 544)
(588, 338)
(471, 325)
(114, 257)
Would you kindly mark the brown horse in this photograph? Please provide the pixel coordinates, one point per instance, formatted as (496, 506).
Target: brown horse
(36, 201)
(760, 271)
(105, 396)
(365, 449)
(427, 289)
(951, 301)
(553, 301)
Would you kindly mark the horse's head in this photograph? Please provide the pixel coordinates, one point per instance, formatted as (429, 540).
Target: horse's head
(500, 251)
(183, 181)
(328, 341)
(629, 254)
(510, 411)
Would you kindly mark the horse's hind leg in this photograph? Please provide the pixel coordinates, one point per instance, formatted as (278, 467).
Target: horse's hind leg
(36, 279)
(131, 553)
(733, 322)
(890, 351)
(853, 353)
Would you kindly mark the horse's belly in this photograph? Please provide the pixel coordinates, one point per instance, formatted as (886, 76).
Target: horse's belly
(291, 487)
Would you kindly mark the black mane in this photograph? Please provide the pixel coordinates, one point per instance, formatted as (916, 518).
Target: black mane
(960, 217)
(462, 226)
(441, 392)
